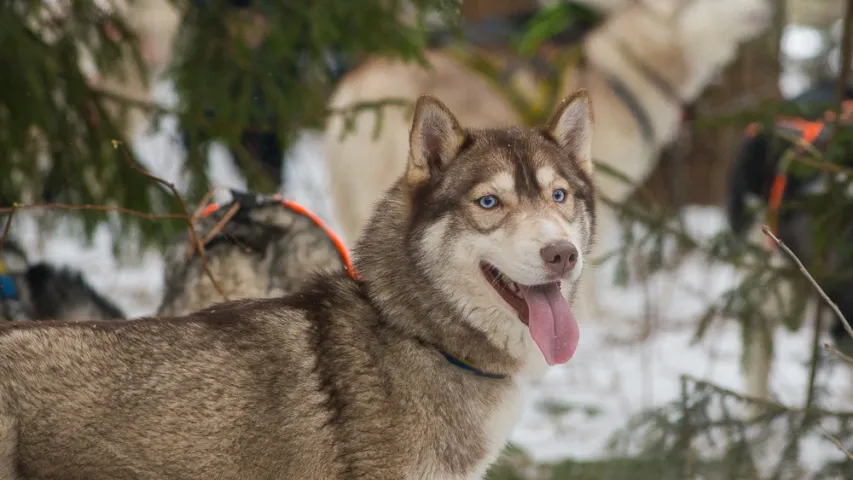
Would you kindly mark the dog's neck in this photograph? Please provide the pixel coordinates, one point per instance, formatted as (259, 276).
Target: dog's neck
(386, 261)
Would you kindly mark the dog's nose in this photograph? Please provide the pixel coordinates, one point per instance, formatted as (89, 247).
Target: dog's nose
(560, 257)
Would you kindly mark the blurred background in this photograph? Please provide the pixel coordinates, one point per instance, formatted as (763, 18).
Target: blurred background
(235, 94)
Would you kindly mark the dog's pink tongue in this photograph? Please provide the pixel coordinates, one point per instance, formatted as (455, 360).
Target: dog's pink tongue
(551, 322)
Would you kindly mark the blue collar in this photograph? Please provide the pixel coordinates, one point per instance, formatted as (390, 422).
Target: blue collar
(8, 288)
(467, 366)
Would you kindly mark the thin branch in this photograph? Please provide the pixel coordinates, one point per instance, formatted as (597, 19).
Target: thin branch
(207, 198)
(107, 208)
(836, 441)
(832, 305)
(190, 219)
(99, 208)
(829, 348)
(219, 225)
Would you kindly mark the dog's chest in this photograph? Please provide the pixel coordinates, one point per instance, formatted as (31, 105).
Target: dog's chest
(497, 428)
(471, 437)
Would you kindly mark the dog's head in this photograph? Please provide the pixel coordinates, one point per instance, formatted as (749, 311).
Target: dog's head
(500, 223)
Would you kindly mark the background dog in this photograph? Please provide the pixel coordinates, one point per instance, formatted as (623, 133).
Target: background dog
(753, 172)
(256, 247)
(43, 292)
(465, 276)
(642, 65)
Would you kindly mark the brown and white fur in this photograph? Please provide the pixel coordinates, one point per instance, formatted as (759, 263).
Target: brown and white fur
(685, 42)
(346, 378)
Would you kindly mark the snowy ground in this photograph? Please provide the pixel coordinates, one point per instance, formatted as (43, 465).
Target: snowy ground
(614, 373)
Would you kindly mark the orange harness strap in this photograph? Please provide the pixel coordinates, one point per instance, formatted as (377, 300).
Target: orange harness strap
(777, 191)
(302, 210)
(810, 131)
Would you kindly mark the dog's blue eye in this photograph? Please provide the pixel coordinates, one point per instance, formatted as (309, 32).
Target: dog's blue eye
(488, 201)
(559, 195)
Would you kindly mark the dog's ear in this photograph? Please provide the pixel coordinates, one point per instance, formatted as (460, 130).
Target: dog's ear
(571, 126)
(434, 140)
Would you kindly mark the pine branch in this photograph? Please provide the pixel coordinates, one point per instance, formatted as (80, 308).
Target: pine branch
(150, 106)
(196, 242)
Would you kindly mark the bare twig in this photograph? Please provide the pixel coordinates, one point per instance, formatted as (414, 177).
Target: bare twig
(832, 305)
(829, 348)
(216, 228)
(205, 200)
(836, 441)
(190, 219)
(99, 208)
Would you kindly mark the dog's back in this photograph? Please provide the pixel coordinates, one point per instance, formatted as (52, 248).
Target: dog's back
(230, 392)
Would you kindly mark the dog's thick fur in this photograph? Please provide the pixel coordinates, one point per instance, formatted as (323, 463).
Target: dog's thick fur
(684, 42)
(265, 250)
(45, 292)
(346, 378)
(751, 177)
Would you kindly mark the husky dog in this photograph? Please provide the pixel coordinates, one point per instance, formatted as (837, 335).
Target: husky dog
(642, 65)
(42, 291)
(751, 181)
(464, 280)
(265, 249)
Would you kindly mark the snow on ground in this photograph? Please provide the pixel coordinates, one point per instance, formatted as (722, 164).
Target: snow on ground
(614, 373)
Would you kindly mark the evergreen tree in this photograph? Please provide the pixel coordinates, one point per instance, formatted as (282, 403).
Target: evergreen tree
(58, 140)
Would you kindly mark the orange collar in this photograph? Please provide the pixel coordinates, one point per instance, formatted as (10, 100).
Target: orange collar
(302, 210)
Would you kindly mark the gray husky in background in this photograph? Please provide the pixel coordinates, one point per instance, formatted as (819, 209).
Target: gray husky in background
(255, 246)
(42, 291)
(406, 368)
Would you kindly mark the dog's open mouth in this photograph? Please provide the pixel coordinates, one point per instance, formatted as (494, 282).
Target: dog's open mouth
(508, 290)
(543, 309)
